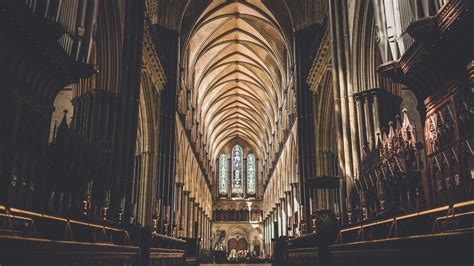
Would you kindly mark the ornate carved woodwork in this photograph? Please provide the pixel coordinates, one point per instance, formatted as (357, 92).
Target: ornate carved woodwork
(439, 71)
(390, 177)
(35, 67)
(449, 137)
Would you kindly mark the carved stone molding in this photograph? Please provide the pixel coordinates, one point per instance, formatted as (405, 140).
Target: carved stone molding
(152, 10)
(151, 63)
(322, 62)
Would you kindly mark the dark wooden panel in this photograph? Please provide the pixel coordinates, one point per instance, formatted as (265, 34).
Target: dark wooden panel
(22, 250)
(442, 249)
(302, 256)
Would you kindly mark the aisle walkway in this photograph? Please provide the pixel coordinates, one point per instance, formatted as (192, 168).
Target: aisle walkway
(250, 264)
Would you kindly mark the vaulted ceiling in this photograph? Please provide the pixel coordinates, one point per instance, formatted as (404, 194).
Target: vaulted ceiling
(294, 15)
(237, 61)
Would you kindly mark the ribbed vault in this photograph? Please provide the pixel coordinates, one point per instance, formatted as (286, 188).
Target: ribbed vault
(236, 68)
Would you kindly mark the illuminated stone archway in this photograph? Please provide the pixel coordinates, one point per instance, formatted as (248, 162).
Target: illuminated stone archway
(236, 69)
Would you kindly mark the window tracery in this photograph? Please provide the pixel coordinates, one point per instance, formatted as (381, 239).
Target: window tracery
(223, 178)
(251, 180)
(237, 169)
(237, 177)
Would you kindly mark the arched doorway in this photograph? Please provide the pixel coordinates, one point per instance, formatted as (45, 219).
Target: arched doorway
(232, 244)
(242, 244)
(238, 245)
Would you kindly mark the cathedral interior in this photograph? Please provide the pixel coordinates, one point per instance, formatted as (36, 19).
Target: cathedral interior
(282, 132)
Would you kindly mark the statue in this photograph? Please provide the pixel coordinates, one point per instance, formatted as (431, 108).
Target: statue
(218, 248)
(218, 240)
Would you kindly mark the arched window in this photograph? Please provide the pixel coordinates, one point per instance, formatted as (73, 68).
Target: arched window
(237, 169)
(335, 166)
(251, 182)
(223, 170)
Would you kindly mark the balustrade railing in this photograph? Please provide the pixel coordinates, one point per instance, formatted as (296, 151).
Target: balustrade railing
(237, 215)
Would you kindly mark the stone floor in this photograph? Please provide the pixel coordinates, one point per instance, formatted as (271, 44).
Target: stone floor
(266, 264)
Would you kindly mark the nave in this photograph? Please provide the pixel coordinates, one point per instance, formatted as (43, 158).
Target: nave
(216, 132)
(235, 264)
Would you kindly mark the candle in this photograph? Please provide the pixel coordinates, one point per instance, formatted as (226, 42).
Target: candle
(301, 212)
(134, 211)
(107, 197)
(158, 207)
(348, 203)
(122, 203)
(89, 187)
(167, 213)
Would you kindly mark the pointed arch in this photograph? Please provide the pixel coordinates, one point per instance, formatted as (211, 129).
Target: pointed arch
(251, 175)
(223, 174)
(237, 171)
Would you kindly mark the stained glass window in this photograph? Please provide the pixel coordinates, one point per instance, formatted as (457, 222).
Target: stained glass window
(251, 182)
(223, 170)
(237, 167)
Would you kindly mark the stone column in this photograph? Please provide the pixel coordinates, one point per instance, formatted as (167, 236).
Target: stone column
(169, 46)
(179, 203)
(289, 213)
(191, 218)
(147, 190)
(361, 114)
(201, 223)
(195, 220)
(206, 232)
(305, 117)
(346, 115)
(186, 214)
(368, 123)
